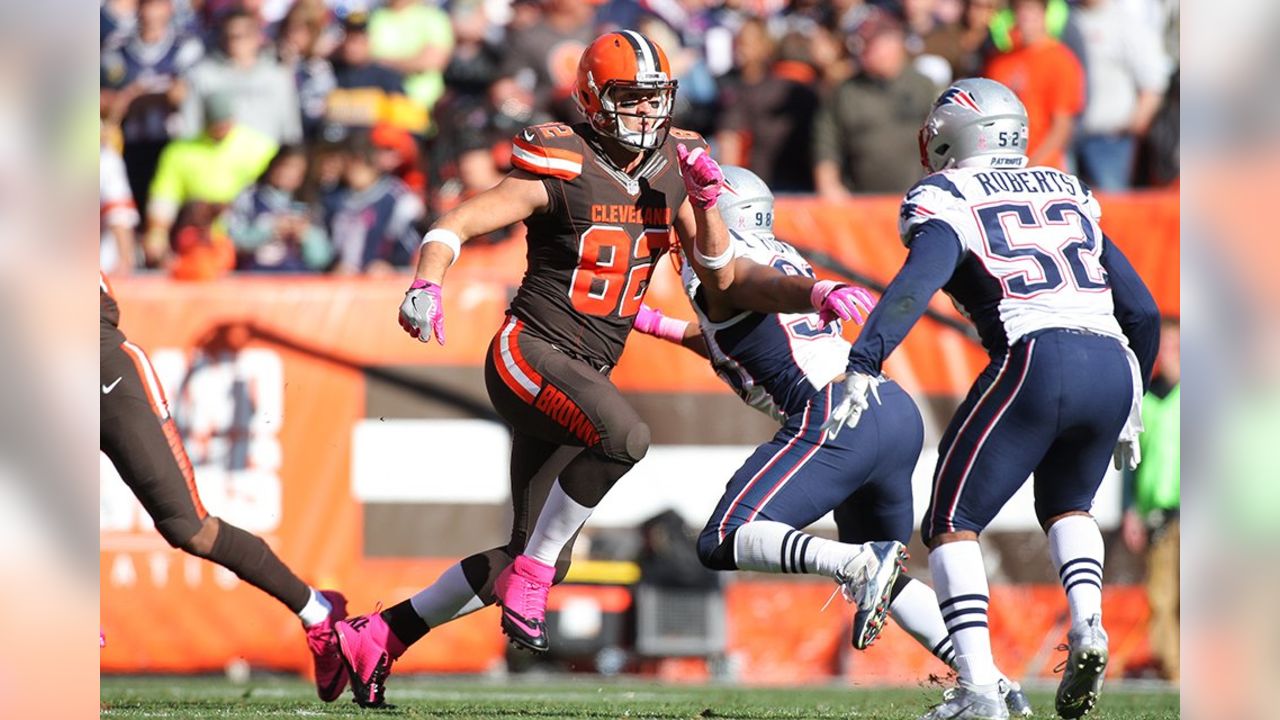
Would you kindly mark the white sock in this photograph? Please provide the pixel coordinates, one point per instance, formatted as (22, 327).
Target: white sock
(1075, 545)
(316, 610)
(916, 611)
(561, 517)
(960, 580)
(448, 598)
(768, 546)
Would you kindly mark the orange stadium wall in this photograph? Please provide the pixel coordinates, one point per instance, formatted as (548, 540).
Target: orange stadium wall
(267, 375)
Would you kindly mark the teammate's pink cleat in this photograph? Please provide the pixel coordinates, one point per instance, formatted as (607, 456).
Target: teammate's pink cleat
(367, 648)
(522, 592)
(331, 676)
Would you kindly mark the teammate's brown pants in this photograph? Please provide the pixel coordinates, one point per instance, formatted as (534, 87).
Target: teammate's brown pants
(142, 441)
(568, 422)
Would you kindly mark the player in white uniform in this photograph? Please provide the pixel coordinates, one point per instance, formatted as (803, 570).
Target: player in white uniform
(784, 365)
(1072, 333)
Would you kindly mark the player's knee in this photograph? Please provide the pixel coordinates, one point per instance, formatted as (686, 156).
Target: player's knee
(1049, 517)
(629, 443)
(181, 532)
(201, 544)
(714, 553)
(939, 539)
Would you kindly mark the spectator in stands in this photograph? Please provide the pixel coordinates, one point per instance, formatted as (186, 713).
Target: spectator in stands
(1047, 78)
(117, 249)
(397, 154)
(935, 44)
(272, 229)
(415, 39)
(1127, 76)
(544, 58)
(368, 91)
(373, 219)
(303, 47)
(201, 248)
(769, 107)
(142, 88)
(264, 92)
(697, 102)
(116, 21)
(865, 133)
(1153, 498)
(830, 57)
(475, 62)
(212, 169)
(976, 44)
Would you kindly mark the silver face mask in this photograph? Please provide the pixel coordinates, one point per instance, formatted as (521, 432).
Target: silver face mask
(746, 203)
(975, 123)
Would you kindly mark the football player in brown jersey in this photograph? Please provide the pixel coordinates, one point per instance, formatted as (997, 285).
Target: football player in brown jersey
(600, 199)
(141, 439)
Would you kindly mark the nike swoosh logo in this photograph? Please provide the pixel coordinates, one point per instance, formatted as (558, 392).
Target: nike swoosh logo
(532, 629)
(106, 389)
(528, 136)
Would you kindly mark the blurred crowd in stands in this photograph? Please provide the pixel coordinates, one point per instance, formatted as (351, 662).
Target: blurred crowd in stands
(325, 135)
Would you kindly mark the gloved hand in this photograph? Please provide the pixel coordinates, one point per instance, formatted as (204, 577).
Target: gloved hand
(1128, 452)
(422, 312)
(702, 176)
(848, 412)
(837, 300)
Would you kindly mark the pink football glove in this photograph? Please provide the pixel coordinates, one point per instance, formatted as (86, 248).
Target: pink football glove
(837, 300)
(702, 176)
(422, 312)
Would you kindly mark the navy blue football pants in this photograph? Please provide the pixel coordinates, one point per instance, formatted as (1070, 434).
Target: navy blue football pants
(1053, 405)
(864, 475)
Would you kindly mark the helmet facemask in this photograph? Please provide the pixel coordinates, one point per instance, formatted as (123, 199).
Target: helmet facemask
(621, 100)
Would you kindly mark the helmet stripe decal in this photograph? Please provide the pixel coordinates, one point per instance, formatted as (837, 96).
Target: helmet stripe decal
(646, 59)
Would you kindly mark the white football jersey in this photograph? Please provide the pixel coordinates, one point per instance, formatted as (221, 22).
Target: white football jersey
(1030, 245)
(774, 362)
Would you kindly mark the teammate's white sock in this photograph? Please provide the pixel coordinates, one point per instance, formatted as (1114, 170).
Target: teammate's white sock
(448, 598)
(960, 581)
(561, 517)
(316, 609)
(768, 546)
(1075, 545)
(916, 611)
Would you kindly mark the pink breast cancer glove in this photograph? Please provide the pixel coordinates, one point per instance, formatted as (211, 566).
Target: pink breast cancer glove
(837, 300)
(422, 312)
(702, 176)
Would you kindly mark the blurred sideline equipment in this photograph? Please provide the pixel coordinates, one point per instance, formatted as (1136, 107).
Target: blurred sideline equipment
(1060, 310)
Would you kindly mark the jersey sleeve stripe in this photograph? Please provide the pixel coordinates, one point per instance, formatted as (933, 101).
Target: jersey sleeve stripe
(548, 152)
(562, 169)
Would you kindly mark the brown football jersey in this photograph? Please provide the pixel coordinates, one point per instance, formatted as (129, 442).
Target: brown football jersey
(592, 252)
(109, 334)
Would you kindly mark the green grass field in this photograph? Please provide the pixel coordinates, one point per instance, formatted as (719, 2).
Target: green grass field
(182, 697)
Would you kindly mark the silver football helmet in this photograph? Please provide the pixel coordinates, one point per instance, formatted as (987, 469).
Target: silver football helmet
(746, 204)
(975, 123)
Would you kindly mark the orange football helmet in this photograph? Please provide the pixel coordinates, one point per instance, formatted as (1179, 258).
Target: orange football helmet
(621, 61)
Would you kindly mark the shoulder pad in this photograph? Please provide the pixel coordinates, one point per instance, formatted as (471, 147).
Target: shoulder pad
(929, 199)
(548, 150)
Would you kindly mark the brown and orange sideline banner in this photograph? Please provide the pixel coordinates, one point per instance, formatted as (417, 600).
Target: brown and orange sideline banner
(269, 374)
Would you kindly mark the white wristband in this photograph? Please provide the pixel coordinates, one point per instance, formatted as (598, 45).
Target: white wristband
(447, 238)
(717, 262)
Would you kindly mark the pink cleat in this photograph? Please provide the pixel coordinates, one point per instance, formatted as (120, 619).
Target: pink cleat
(367, 648)
(331, 676)
(522, 592)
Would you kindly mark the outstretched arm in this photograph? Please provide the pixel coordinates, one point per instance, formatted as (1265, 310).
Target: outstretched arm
(935, 252)
(680, 332)
(518, 196)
